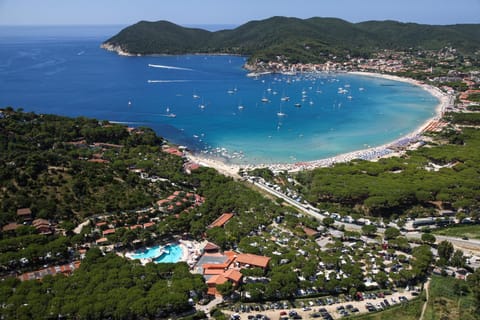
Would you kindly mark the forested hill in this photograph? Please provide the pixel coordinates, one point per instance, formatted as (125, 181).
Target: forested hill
(306, 40)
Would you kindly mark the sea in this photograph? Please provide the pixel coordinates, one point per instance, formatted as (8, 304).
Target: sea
(205, 102)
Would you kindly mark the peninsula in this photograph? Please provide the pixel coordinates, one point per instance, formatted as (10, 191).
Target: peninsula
(307, 41)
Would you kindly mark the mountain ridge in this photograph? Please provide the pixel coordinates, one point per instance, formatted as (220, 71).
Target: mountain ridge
(300, 40)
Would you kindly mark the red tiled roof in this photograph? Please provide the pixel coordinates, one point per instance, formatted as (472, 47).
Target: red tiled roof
(212, 291)
(310, 232)
(148, 224)
(253, 259)
(234, 275)
(98, 161)
(67, 268)
(40, 222)
(24, 212)
(222, 266)
(210, 247)
(217, 279)
(11, 227)
(161, 202)
(211, 271)
(101, 240)
(174, 151)
(108, 231)
(220, 221)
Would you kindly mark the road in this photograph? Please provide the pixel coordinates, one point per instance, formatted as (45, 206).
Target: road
(471, 246)
(303, 208)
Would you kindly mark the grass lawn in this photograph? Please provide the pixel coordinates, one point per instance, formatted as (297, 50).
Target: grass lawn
(409, 311)
(460, 231)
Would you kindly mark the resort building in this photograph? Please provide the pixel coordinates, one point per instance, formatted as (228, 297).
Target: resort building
(218, 268)
(252, 260)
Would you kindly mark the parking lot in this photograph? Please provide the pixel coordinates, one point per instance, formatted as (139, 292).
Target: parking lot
(321, 308)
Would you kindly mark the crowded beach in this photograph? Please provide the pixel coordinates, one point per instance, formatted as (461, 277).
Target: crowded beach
(410, 141)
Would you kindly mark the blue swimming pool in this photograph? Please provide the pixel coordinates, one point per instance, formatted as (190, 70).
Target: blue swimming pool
(160, 254)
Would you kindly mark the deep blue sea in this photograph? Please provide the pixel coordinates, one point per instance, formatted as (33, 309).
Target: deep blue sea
(217, 107)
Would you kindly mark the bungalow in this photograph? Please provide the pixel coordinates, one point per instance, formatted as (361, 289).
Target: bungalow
(173, 151)
(25, 214)
(108, 231)
(43, 226)
(221, 221)
(101, 224)
(148, 225)
(162, 203)
(311, 232)
(101, 241)
(10, 227)
(190, 166)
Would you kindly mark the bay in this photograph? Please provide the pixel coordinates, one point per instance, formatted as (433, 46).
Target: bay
(205, 102)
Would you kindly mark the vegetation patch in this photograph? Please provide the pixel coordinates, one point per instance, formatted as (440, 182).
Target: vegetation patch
(407, 311)
(460, 231)
(451, 299)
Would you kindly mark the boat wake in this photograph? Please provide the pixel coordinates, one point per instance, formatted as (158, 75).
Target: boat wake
(168, 67)
(166, 81)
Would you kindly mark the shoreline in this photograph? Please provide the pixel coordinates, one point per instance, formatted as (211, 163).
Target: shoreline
(390, 149)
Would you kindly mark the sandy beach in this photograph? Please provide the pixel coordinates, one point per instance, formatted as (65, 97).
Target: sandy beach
(391, 149)
(230, 170)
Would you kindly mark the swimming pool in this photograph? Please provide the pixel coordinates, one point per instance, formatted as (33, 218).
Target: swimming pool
(171, 253)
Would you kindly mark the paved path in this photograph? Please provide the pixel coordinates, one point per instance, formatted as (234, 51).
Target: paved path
(212, 304)
(79, 228)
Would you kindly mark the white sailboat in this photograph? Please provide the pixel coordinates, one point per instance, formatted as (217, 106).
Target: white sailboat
(280, 113)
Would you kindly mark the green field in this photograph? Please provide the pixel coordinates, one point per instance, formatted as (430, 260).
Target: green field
(408, 311)
(460, 231)
(449, 299)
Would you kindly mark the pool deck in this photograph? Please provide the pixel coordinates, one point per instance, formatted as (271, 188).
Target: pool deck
(191, 251)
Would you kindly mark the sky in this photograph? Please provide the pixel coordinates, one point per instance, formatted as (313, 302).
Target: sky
(227, 12)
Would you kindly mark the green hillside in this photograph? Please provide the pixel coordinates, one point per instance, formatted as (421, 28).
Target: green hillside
(308, 40)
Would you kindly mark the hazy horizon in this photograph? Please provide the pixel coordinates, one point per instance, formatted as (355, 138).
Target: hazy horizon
(216, 12)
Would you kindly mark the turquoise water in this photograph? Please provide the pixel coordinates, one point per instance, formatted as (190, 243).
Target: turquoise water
(172, 254)
(218, 109)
